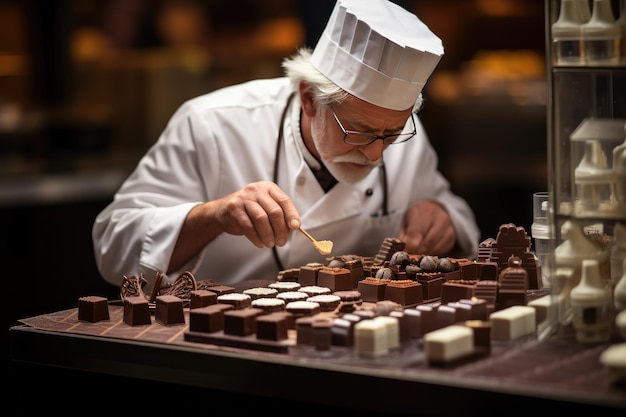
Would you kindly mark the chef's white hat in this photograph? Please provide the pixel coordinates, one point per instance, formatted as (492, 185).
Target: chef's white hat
(378, 52)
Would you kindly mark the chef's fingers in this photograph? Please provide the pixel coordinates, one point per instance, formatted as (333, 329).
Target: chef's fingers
(427, 229)
(270, 214)
(281, 217)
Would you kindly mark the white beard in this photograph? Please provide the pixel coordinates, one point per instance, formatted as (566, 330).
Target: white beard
(338, 165)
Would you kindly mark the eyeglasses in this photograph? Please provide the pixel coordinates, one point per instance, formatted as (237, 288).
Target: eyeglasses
(352, 137)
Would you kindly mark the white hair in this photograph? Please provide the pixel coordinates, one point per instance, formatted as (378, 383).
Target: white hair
(298, 68)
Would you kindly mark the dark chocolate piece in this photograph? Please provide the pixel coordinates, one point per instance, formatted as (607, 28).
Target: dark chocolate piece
(209, 319)
(337, 279)
(169, 310)
(241, 322)
(321, 328)
(136, 311)
(93, 308)
(272, 326)
(201, 298)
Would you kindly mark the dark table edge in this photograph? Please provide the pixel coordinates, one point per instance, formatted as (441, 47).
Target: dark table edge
(392, 391)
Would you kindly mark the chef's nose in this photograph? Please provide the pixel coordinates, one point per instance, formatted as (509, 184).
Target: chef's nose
(373, 151)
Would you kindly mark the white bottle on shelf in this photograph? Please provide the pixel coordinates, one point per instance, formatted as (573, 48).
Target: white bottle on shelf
(618, 252)
(618, 190)
(601, 36)
(593, 179)
(592, 305)
(584, 9)
(621, 22)
(566, 34)
(619, 292)
(568, 257)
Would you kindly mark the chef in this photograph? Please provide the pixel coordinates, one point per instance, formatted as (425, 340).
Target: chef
(335, 146)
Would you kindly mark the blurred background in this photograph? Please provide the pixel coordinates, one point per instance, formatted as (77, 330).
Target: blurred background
(86, 86)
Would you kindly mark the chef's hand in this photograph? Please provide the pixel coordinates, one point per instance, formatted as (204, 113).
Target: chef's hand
(260, 211)
(427, 229)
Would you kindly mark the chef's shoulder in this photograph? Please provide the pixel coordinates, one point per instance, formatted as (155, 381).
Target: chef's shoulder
(254, 94)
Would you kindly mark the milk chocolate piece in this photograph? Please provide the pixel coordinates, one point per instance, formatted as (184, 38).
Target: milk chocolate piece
(403, 325)
(389, 246)
(456, 290)
(414, 318)
(478, 308)
(488, 291)
(372, 289)
(272, 326)
(209, 319)
(201, 298)
(136, 311)
(404, 292)
(337, 279)
(431, 284)
(353, 296)
(169, 310)
(482, 333)
(93, 308)
(321, 328)
(221, 289)
(241, 322)
(308, 273)
(304, 330)
(429, 318)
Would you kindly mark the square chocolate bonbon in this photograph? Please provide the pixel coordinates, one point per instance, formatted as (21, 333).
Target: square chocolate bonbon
(93, 308)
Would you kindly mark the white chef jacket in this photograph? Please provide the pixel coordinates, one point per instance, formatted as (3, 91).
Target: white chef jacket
(217, 143)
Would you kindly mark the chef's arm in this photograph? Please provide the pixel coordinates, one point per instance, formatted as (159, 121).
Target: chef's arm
(260, 211)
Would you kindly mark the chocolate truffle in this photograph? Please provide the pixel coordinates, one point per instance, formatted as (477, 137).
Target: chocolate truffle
(136, 311)
(93, 308)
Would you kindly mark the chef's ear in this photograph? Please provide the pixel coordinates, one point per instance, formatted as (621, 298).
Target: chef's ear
(307, 99)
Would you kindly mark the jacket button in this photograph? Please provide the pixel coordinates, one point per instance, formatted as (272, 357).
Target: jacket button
(300, 180)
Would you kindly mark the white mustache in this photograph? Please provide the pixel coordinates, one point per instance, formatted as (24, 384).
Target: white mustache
(356, 157)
